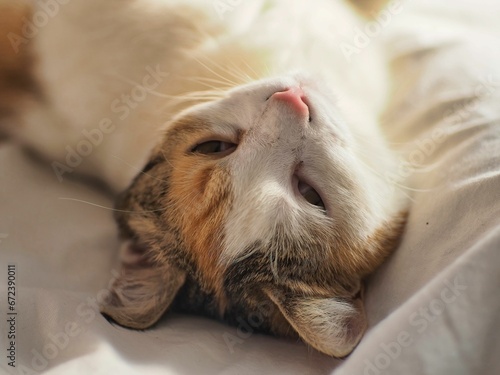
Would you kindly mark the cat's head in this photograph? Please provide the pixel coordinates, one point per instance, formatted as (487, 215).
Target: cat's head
(263, 202)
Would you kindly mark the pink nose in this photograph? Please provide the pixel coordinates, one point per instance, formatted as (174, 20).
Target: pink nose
(295, 98)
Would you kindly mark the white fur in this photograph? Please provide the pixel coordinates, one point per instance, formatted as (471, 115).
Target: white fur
(331, 325)
(298, 41)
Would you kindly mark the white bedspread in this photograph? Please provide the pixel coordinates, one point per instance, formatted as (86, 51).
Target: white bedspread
(434, 306)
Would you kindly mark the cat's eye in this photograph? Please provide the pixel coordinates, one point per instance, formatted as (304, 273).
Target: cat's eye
(310, 195)
(214, 147)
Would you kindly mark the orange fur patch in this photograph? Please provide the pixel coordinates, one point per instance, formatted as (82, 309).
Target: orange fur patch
(201, 189)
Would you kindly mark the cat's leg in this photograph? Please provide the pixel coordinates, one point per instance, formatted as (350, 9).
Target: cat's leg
(56, 97)
(22, 104)
(27, 116)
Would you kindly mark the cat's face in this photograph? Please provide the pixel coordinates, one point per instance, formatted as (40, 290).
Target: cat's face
(262, 198)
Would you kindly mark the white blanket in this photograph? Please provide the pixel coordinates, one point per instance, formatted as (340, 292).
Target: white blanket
(433, 307)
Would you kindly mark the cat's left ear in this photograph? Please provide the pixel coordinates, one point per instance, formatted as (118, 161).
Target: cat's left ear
(333, 326)
(143, 291)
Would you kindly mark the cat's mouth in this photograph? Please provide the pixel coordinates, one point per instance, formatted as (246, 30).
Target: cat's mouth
(306, 190)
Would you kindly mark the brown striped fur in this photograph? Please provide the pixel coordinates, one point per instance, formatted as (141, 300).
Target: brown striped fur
(174, 214)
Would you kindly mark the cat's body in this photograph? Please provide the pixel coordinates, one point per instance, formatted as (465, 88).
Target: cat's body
(264, 193)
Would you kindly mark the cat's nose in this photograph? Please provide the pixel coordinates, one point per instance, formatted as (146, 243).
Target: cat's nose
(295, 98)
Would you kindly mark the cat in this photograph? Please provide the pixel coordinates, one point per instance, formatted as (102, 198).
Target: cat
(245, 144)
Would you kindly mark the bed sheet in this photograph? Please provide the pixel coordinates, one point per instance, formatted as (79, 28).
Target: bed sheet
(433, 307)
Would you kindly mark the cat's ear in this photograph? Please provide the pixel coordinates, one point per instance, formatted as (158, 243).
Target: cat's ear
(333, 326)
(143, 291)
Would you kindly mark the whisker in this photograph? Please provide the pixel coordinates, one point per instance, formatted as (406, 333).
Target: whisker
(235, 73)
(268, 70)
(209, 79)
(192, 95)
(393, 181)
(109, 208)
(189, 96)
(273, 263)
(251, 69)
(402, 161)
(166, 159)
(217, 74)
(207, 85)
(238, 73)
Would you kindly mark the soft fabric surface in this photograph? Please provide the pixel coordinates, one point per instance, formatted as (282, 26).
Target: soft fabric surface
(433, 306)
